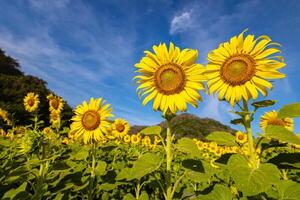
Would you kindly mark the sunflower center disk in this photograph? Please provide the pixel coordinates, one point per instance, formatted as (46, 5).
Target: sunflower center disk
(54, 103)
(90, 120)
(30, 102)
(238, 69)
(120, 127)
(241, 137)
(278, 122)
(169, 79)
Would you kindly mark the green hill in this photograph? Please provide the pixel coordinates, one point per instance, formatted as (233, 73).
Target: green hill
(14, 85)
(188, 125)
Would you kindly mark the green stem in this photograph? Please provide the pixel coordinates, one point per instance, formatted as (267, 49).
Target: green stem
(247, 123)
(92, 178)
(169, 161)
(137, 190)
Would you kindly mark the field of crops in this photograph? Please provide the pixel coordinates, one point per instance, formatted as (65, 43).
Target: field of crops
(96, 157)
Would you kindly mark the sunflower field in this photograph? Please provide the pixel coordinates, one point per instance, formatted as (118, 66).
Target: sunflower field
(96, 157)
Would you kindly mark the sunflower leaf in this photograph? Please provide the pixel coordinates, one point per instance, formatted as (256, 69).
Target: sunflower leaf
(222, 138)
(252, 181)
(290, 110)
(152, 130)
(282, 134)
(264, 103)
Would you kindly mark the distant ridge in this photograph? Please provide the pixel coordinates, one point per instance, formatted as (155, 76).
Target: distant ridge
(189, 125)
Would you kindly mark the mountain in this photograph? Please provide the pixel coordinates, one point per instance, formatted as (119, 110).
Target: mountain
(188, 125)
(14, 85)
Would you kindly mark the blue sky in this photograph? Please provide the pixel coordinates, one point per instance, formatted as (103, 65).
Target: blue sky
(88, 49)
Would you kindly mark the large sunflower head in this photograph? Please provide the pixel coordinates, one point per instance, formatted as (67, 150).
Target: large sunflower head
(91, 120)
(271, 118)
(120, 128)
(170, 77)
(31, 102)
(55, 103)
(243, 66)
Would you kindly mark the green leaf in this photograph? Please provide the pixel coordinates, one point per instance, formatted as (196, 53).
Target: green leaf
(152, 130)
(264, 103)
(144, 196)
(237, 121)
(282, 134)
(187, 145)
(288, 190)
(129, 196)
(123, 174)
(252, 181)
(290, 110)
(100, 168)
(15, 191)
(146, 164)
(222, 138)
(220, 192)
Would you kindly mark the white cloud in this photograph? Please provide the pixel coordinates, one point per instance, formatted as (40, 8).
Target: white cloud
(181, 22)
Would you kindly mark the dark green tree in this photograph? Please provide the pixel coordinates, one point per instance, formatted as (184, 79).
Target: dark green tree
(14, 85)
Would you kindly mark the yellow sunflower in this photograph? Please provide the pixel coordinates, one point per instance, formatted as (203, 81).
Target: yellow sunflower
(31, 102)
(135, 138)
(4, 116)
(240, 137)
(270, 118)
(120, 128)
(55, 103)
(127, 139)
(90, 120)
(170, 77)
(239, 68)
(55, 118)
(146, 141)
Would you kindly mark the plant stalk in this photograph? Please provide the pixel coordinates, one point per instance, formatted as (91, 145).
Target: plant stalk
(169, 161)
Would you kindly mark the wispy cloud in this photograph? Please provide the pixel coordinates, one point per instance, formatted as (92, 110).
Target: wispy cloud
(181, 22)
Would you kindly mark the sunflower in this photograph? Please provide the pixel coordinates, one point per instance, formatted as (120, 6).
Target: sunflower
(90, 120)
(213, 146)
(127, 139)
(120, 128)
(146, 141)
(31, 102)
(2, 132)
(170, 77)
(240, 137)
(135, 139)
(55, 118)
(199, 145)
(270, 118)
(4, 116)
(55, 103)
(239, 68)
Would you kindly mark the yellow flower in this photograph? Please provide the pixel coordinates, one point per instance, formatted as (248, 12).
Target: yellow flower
(65, 141)
(239, 68)
(127, 139)
(270, 118)
(213, 146)
(146, 141)
(90, 120)
(31, 102)
(240, 137)
(135, 138)
(2, 132)
(120, 128)
(219, 151)
(55, 118)
(200, 145)
(170, 77)
(47, 131)
(4, 116)
(55, 103)
(157, 140)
